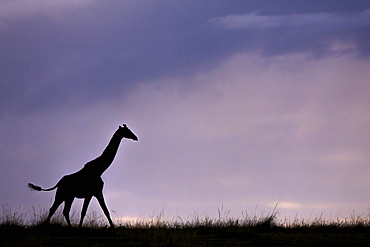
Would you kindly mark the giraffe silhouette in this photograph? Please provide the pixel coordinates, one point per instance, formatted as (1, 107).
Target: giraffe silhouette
(87, 182)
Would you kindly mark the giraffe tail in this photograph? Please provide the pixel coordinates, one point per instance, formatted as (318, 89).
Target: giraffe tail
(38, 188)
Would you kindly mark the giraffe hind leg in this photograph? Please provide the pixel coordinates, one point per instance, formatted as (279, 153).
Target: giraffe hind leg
(67, 208)
(58, 200)
(84, 209)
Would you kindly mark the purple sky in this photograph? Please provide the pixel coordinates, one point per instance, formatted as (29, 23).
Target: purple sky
(240, 104)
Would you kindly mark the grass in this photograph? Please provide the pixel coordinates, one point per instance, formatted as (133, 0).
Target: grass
(21, 227)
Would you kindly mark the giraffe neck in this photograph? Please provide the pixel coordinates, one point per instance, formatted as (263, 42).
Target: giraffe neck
(109, 153)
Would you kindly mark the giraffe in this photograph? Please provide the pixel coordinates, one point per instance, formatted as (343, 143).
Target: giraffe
(87, 182)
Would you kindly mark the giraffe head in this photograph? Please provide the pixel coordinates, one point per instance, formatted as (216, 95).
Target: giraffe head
(125, 132)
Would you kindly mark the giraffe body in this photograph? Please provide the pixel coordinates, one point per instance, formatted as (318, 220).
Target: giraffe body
(87, 182)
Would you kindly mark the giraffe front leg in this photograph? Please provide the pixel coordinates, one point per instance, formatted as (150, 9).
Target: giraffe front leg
(104, 207)
(84, 209)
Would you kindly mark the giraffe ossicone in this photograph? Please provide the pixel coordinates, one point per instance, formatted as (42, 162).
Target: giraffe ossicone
(87, 182)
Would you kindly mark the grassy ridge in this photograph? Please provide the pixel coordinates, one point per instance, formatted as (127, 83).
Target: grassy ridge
(28, 229)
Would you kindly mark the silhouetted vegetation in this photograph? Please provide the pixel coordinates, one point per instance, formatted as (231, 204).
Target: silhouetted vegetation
(19, 228)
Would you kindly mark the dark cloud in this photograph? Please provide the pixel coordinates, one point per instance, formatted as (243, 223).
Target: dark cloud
(97, 50)
(315, 33)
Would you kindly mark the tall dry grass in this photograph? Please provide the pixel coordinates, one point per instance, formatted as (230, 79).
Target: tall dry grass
(34, 216)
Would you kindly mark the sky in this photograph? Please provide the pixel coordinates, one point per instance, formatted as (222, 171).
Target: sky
(238, 105)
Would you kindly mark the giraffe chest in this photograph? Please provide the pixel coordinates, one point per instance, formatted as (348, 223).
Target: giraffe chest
(91, 187)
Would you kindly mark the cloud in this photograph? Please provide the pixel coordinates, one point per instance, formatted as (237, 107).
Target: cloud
(318, 33)
(286, 205)
(253, 130)
(12, 10)
(68, 54)
(241, 135)
(318, 20)
(224, 116)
